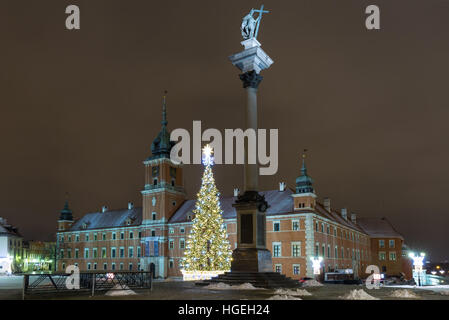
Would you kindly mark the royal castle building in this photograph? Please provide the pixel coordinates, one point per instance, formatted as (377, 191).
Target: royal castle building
(152, 237)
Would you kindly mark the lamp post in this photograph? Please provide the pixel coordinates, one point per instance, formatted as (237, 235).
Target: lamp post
(417, 264)
(316, 264)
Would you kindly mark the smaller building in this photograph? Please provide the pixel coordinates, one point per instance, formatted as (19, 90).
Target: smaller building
(39, 256)
(11, 248)
(388, 249)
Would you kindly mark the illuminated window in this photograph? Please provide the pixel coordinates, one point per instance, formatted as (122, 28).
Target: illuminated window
(95, 252)
(296, 249)
(103, 252)
(276, 249)
(392, 256)
(382, 256)
(296, 269)
(295, 225)
(278, 268)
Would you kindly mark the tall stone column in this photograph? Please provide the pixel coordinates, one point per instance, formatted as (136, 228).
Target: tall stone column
(251, 81)
(251, 254)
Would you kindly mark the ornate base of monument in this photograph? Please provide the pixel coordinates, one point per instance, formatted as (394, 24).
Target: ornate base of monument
(251, 260)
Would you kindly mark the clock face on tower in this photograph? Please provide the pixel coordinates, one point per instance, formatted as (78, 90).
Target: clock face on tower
(155, 171)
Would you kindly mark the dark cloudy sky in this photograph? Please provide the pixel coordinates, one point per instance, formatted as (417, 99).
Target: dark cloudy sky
(81, 108)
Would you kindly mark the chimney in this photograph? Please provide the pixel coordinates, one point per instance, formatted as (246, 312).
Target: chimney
(282, 186)
(236, 192)
(104, 209)
(327, 204)
(353, 218)
(130, 205)
(344, 213)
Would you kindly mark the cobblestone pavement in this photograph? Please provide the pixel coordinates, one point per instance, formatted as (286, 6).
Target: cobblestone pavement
(11, 288)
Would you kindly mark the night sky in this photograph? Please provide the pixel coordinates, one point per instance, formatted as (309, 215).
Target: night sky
(81, 108)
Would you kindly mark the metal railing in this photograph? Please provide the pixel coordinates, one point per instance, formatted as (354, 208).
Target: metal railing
(92, 281)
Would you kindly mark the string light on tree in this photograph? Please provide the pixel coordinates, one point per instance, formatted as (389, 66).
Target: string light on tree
(208, 252)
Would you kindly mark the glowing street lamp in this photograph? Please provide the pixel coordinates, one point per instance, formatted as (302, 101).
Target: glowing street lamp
(316, 264)
(418, 264)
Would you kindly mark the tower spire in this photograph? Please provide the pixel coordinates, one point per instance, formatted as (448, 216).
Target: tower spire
(161, 146)
(164, 110)
(303, 167)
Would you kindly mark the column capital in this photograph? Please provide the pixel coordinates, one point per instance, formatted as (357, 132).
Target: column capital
(251, 79)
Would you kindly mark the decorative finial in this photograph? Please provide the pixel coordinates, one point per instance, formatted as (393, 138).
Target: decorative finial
(208, 158)
(303, 168)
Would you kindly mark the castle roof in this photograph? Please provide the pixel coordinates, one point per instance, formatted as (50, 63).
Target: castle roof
(379, 228)
(109, 219)
(281, 203)
(8, 230)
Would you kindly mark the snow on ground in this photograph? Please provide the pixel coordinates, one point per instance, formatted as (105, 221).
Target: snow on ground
(445, 292)
(283, 297)
(404, 293)
(312, 283)
(224, 286)
(119, 291)
(290, 292)
(437, 288)
(358, 295)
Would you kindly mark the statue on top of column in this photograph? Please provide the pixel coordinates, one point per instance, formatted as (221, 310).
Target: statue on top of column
(250, 25)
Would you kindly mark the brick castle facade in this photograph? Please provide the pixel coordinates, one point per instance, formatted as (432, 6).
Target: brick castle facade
(153, 236)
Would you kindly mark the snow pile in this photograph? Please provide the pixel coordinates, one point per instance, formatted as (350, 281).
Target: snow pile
(224, 286)
(289, 292)
(218, 286)
(312, 283)
(358, 295)
(119, 291)
(404, 293)
(245, 286)
(445, 292)
(283, 297)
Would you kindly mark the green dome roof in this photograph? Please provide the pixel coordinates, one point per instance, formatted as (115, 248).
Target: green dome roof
(66, 213)
(304, 183)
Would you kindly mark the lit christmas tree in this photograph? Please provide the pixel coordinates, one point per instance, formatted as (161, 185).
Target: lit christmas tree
(207, 247)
